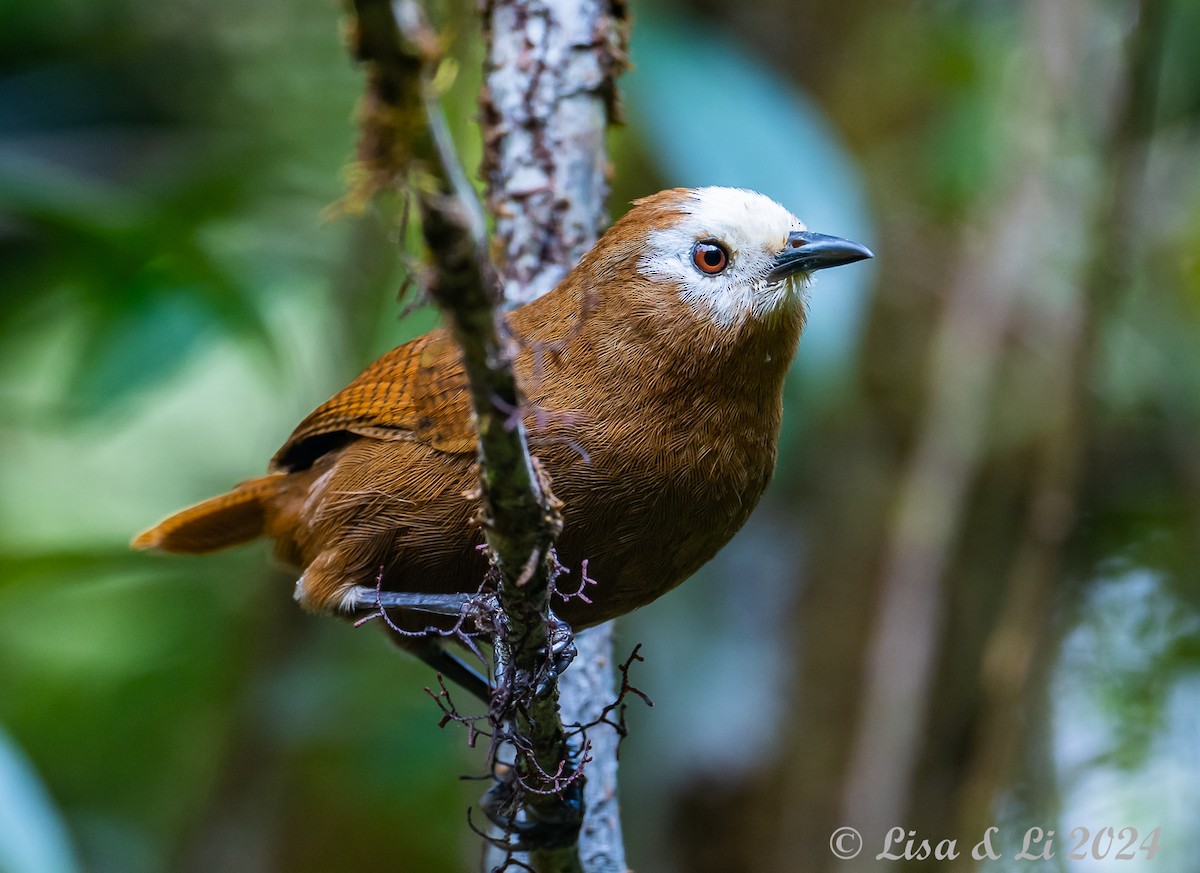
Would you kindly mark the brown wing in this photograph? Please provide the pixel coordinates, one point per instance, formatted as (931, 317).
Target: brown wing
(415, 392)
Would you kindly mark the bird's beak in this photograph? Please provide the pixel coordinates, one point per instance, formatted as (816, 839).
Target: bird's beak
(807, 251)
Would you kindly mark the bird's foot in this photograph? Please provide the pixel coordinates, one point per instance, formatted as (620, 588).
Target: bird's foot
(561, 642)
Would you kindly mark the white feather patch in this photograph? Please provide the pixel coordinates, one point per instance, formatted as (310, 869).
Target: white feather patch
(753, 228)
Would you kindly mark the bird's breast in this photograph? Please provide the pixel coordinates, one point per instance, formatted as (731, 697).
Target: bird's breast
(650, 497)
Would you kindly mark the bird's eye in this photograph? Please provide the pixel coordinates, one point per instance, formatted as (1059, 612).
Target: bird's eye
(710, 258)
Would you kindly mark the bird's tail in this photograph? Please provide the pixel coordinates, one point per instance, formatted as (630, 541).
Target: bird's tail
(227, 520)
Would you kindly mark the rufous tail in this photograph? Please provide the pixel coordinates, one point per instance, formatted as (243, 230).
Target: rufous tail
(227, 520)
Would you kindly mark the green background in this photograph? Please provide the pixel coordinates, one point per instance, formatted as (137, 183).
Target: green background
(176, 292)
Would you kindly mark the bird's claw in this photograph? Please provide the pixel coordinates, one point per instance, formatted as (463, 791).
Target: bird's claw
(561, 642)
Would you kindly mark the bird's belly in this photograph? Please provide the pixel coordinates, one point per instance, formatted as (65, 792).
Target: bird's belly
(642, 541)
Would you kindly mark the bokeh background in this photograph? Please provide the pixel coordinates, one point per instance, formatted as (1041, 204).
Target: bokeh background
(971, 596)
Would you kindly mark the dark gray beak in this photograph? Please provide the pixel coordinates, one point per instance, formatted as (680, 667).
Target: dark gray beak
(807, 251)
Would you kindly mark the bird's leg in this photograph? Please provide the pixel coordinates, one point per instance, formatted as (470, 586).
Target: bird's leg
(432, 651)
(429, 647)
(364, 597)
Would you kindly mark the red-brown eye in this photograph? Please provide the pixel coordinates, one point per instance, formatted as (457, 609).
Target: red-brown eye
(709, 258)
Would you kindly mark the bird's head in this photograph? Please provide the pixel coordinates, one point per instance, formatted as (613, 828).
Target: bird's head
(732, 254)
(694, 280)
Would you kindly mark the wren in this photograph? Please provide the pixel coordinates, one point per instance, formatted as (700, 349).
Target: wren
(656, 418)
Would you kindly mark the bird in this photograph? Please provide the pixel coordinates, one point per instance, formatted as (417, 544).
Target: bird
(652, 387)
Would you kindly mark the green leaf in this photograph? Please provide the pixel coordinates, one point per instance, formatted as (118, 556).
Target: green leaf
(131, 349)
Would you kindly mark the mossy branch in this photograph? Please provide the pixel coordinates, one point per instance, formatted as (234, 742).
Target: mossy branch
(404, 138)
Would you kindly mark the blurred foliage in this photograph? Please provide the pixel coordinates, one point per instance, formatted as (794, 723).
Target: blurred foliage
(175, 298)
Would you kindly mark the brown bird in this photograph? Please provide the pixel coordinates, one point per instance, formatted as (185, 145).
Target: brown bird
(656, 416)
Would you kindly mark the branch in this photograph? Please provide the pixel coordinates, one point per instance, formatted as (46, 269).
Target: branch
(548, 98)
(404, 135)
(586, 689)
(549, 95)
